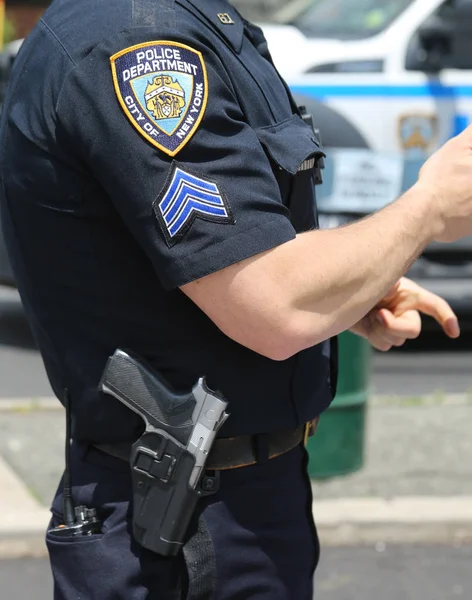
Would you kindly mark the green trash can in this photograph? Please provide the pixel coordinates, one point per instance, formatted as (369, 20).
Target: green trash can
(337, 448)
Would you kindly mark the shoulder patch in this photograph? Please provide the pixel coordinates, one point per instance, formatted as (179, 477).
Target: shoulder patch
(163, 89)
(186, 197)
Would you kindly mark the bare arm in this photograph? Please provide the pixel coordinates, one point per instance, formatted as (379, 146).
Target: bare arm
(317, 285)
(323, 282)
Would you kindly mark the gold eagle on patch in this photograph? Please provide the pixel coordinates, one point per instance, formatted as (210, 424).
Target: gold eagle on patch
(162, 88)
(165, 98)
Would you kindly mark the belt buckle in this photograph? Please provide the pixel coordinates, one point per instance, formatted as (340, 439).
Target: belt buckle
(310, 428)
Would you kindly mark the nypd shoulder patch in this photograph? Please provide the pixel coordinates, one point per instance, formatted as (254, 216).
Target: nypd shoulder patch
(187, 197)
(163, 89)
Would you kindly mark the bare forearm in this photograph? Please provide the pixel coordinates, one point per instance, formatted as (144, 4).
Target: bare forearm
(342, 273)
(317, 285)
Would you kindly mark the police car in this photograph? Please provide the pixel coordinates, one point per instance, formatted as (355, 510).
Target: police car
(388, 81)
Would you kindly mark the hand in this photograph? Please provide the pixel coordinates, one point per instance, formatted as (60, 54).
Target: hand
(396, 318)
(446, 177)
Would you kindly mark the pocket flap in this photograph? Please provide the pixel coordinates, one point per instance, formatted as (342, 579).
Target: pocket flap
(289, 143)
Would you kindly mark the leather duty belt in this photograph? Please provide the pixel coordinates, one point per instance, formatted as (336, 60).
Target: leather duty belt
(240, 451)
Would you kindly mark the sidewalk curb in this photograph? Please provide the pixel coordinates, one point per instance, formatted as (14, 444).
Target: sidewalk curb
(340, 522)
(401, 520)
(29, 404)
(22, 519)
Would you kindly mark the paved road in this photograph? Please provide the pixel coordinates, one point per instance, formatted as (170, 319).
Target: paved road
(392, 573)
(389, 573)
(23, 579)
(429, 366)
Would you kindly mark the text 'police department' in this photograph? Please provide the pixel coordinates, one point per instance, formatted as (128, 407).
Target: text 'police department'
(152, 60)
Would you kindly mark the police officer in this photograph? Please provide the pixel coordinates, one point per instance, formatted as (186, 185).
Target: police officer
(157, 195)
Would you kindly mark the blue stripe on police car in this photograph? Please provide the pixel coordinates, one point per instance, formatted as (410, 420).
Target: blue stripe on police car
(433, 89)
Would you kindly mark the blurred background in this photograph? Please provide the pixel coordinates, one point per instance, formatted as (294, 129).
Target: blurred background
(387, 82)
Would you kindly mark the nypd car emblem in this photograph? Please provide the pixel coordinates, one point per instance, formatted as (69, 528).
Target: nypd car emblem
(417, 133)
(162, 88)
(186, 197)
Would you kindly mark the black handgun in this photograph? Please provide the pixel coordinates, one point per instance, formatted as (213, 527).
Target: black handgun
(167, 462)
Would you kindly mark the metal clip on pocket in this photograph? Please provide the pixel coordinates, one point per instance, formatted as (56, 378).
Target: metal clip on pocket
(319, 163)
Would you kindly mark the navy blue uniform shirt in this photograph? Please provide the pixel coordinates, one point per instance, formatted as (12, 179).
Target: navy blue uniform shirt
(144, 145)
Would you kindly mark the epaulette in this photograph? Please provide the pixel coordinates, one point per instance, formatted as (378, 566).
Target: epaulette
(147, 13)
(228, 24)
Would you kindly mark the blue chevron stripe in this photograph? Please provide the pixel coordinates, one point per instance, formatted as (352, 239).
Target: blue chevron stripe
(193, 205)
(183, 193)
(188, 197)
(181, 176)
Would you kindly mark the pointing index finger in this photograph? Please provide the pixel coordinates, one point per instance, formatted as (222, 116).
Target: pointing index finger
(436, 307)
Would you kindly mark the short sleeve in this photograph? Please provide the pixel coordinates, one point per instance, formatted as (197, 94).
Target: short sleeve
(156, 122)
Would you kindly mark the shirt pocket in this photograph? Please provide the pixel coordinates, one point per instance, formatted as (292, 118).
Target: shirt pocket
(293, 151)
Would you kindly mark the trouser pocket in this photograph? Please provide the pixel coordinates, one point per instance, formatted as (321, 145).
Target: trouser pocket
(109, 565)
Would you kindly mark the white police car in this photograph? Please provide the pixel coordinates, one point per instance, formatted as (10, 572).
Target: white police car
(388, 82)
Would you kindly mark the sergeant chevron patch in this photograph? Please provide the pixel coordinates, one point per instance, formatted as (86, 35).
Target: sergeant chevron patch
(187, 197)
(162, 88)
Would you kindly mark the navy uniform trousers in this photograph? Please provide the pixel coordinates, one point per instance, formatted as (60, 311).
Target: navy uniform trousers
(261, 539)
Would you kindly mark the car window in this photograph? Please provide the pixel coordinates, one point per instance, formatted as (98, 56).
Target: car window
(443, 40)
(345, 19)
(448, 9)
